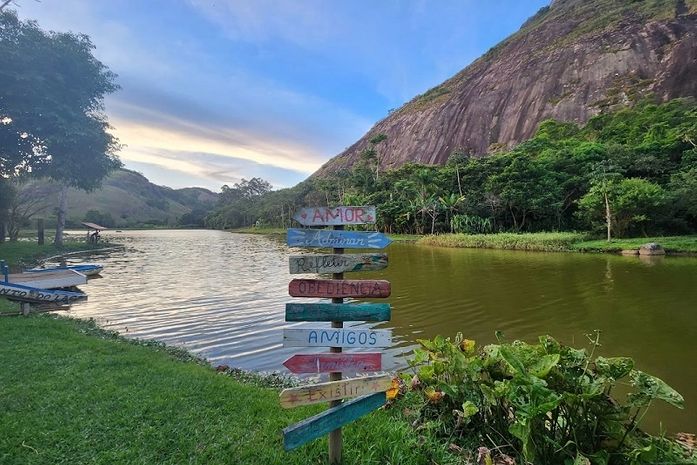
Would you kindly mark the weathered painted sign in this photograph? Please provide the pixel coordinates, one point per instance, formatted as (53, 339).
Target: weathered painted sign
(339, 337)
(330, 420)
(333, 288)
(332, 362)
(337, 312)
(337, 239)
(334, 216)
(334, 390)
(336, 263)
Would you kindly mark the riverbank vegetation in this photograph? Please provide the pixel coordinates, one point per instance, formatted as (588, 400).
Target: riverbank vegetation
(72, 393)
(558, 242)
(25, 253)
(543, 403)
(636, 167)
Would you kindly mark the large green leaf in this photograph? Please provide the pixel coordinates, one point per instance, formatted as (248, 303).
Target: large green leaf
(513, 361)
(545, 363)
(650, 387)
(614, 367)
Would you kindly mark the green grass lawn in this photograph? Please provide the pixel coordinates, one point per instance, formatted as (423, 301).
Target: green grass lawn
(73, 394)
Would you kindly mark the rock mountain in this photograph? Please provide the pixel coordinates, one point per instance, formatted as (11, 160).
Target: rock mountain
(572, 60)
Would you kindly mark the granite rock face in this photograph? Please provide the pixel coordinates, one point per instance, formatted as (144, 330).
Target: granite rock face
(571, 61)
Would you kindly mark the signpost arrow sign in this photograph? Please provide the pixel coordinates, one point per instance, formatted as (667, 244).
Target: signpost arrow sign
(339, 337)
(337, 239)
(336, 263)
(331, 362)
(333, 288)
(334, 216)
(337, 312)
(329, 420)
(334, 390)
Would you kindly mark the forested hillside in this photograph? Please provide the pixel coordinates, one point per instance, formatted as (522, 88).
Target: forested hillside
(125, 199)
(642, 160)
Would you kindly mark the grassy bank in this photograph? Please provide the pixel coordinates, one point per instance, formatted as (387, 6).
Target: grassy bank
(672, 245)
(547, 242)
(71, 393)
(27, 253)
(558, 242)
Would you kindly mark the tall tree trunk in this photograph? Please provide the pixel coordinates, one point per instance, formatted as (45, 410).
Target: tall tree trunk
(60, 219)
(459, 184)
(608, 218)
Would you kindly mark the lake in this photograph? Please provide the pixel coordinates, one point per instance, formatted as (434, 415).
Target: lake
(223, 295)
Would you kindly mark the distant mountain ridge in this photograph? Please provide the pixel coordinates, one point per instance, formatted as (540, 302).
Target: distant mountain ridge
(570, 61)
(129, 199)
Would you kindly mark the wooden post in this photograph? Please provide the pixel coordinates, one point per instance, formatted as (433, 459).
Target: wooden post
(40, 230)
(26, 308)
(3, 231)
(335, 438)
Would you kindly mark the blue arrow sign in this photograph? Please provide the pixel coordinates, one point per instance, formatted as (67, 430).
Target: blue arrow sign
(337, 239)
(329, 420)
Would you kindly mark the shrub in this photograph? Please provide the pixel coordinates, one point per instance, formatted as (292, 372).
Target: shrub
(543, 403)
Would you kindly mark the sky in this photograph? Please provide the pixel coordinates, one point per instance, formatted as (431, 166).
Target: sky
(214, 91)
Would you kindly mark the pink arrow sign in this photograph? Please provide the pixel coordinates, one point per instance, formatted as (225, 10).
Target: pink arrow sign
(342, 362)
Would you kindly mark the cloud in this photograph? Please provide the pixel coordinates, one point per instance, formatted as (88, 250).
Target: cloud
(170, 134)
(307, 23)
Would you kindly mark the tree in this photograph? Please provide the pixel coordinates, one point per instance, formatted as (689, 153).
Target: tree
(51, 109)
(526, 189)
(622, 203)
(450, 204)
(29, 200)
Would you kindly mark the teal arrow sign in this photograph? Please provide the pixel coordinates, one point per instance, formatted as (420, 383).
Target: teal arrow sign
(337, 239)
(329, 420)
(337, 312)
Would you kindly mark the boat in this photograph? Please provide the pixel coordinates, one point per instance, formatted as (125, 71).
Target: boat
(50, 279)
(88, 269)
(22, 293)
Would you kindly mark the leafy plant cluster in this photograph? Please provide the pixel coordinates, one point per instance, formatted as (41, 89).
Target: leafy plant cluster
(543, 403)
(636, 168)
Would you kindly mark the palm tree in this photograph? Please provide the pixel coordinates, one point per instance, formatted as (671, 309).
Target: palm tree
(450, 204)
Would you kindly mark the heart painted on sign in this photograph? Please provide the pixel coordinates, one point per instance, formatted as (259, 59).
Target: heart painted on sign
(303, 215)
(369, 218)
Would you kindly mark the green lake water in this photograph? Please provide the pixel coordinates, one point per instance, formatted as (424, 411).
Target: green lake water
(222, 296)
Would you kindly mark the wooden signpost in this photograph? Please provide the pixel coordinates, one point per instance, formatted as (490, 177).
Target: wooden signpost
(336, 337)
(335, 216)
(337, 239)
(339, 288)
(361, 362)
(335, 263)
(333, 390)
(338, 312)
(331, 420)
(372, 389)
